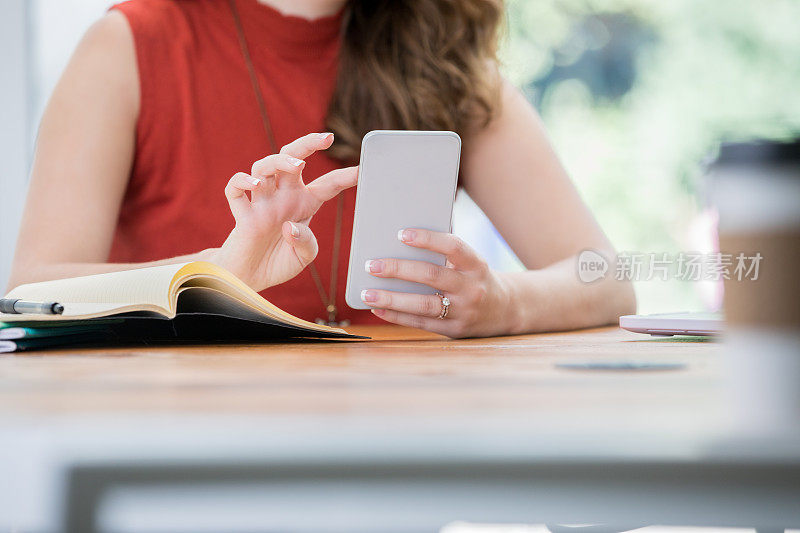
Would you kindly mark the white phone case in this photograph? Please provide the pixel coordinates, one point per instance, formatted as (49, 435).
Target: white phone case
(407, 179)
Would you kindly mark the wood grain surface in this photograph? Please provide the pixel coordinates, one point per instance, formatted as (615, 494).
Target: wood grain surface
(399, 372)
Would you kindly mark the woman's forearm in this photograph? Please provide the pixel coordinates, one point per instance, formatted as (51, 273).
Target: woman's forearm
(22, 274)
(554, 298)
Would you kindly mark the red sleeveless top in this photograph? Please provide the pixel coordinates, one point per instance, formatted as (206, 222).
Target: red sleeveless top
(199, 124)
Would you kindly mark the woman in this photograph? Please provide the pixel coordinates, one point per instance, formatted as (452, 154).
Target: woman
(164, 99)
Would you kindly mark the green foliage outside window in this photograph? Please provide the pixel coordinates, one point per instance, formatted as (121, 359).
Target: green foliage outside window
(636, 93)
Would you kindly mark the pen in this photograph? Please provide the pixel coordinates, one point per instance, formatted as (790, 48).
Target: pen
(18, 307)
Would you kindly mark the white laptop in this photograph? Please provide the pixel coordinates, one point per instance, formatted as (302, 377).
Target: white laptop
(669, 324)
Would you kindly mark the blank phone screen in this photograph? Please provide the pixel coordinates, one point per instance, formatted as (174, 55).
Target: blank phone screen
(407, 179)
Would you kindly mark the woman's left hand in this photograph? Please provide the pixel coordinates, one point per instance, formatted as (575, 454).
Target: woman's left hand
(479, 301)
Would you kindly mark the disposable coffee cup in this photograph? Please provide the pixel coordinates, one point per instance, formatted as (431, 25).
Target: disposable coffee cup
(756, 189)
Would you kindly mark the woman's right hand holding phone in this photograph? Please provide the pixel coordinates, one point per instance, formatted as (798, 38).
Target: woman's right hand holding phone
(271, 242)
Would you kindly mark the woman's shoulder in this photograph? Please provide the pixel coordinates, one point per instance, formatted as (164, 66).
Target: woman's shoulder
(168, 30)
(106, 52)
(154, 18)
(161, 26)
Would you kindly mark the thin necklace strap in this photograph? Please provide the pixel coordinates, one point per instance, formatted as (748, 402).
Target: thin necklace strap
(328, 299)
(337, 240)
(262, 106)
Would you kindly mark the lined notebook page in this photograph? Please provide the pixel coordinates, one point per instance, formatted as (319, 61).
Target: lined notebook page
(144, 286)
(147, 289)
(202, 274)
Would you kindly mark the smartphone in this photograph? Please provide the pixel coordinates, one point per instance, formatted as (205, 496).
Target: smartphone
(407, 179)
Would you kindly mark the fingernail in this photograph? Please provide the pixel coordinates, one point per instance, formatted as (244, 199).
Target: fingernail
(406, 235)
(294, 161)
(369, 295)
(255, 181)
(373, 266)
(295, 230)
(325, 136)
(378, 312)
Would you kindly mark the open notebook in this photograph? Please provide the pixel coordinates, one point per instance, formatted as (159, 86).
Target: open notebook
(195, 301)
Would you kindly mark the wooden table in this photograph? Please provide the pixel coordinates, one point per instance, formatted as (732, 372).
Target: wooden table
(410, 430)
(398, 371)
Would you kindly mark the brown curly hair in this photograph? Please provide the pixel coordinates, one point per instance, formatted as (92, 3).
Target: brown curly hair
(414, 65)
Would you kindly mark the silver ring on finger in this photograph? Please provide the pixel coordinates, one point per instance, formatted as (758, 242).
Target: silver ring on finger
(445, 305)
